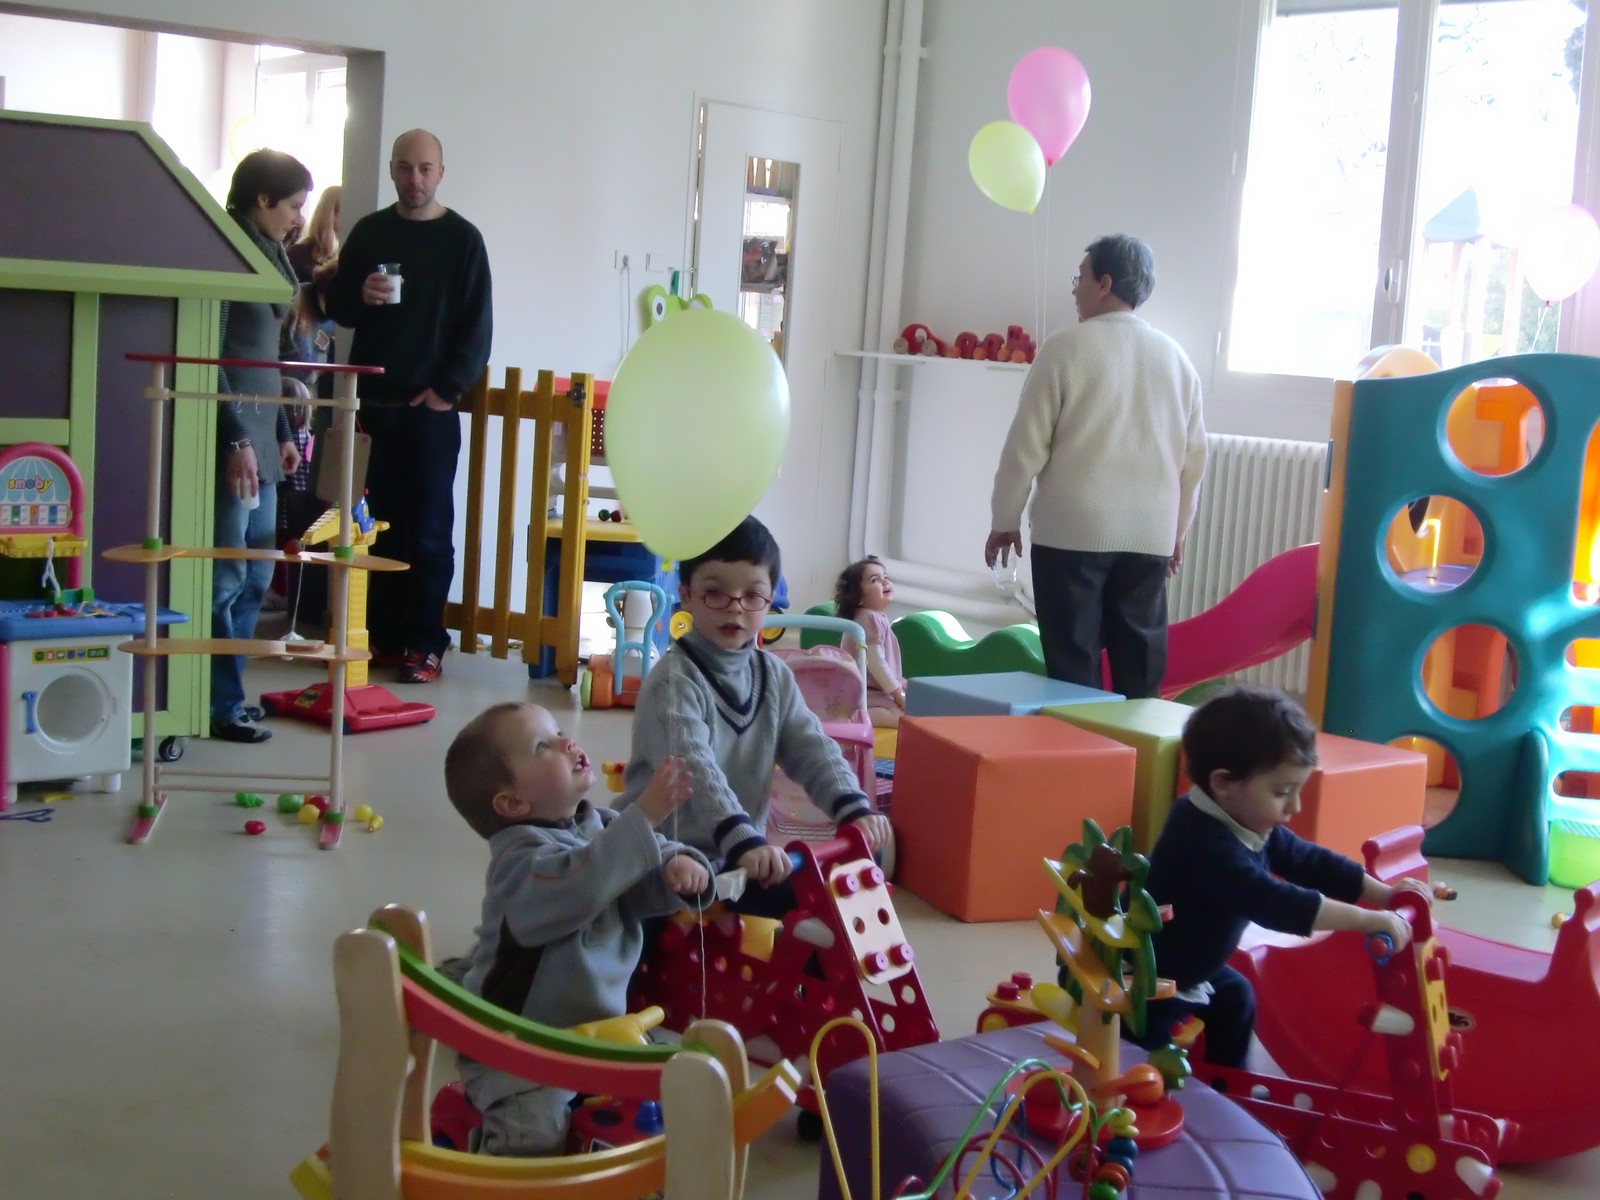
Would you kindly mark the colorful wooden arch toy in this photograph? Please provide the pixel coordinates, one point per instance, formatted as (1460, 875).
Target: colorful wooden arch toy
(394, 1010)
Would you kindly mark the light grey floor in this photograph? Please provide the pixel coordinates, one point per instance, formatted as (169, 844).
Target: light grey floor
(168, 1025)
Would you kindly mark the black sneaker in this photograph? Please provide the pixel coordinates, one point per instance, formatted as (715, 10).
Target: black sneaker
(254, 712)
(239, 729)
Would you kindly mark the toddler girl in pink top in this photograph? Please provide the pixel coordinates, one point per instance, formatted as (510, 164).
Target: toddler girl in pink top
(862, 594)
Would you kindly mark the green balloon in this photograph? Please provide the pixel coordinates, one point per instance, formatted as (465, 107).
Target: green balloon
(1007, 165)
(696, 425)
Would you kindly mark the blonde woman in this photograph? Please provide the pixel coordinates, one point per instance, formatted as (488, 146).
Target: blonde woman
(314, 257)
(316, 254)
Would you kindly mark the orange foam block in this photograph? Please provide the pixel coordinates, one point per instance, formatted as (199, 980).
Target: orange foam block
(980, 801)
(1358, 791)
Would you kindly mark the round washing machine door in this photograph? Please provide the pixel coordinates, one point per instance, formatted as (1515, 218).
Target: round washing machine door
(72, 710)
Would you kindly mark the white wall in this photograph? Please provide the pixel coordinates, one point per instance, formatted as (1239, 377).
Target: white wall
(106, 67)
(567, 131)
(1155, 159)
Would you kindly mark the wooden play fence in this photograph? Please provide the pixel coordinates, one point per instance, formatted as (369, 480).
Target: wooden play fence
(497, 414)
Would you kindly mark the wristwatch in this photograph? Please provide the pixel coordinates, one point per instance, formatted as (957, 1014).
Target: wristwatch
(241, 444)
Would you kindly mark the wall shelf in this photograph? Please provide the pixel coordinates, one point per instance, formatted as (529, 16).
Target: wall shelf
(917, 360)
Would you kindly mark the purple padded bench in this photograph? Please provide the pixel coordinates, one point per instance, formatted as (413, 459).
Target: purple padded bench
(928, 1094)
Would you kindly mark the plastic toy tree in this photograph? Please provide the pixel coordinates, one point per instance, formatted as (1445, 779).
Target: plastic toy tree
(1102, 930)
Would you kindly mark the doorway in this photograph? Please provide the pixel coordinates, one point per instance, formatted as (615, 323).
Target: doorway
(765, 224)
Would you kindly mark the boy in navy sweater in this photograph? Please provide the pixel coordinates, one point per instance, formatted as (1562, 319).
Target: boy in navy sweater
(1226, 858)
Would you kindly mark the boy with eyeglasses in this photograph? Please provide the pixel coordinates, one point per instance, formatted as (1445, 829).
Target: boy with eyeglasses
(733, 711)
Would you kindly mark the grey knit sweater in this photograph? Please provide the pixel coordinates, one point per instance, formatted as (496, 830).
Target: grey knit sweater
(563, 916)
(733, 715)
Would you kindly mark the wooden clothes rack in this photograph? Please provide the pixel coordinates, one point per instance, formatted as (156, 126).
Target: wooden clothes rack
(158, 778)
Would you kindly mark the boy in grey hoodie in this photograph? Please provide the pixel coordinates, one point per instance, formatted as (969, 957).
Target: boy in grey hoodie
(733, 711)
(569, 885)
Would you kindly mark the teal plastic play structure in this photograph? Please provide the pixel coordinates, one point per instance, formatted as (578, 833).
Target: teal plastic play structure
(1511, 762)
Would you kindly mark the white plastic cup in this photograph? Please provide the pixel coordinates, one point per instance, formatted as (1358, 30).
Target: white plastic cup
(392, 270)
(248, 500)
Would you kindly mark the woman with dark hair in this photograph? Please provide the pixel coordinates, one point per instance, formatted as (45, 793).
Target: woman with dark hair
(255, 444)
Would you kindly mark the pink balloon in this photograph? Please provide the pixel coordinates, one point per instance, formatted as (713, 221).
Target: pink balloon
(1049, 97)
(1560, 251)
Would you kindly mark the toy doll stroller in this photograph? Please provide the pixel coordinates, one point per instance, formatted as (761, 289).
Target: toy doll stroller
(834, 687)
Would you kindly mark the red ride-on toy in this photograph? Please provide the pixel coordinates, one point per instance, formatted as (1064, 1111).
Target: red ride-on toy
(840, 952)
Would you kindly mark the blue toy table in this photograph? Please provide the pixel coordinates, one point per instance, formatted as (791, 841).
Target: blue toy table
(17, 626)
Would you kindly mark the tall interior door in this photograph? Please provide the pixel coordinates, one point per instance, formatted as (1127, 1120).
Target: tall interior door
(764, 249)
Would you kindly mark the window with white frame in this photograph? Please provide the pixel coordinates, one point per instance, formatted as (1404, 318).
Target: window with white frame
(1398, 151)
(300, 107)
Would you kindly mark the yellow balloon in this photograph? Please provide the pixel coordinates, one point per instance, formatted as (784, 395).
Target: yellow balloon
(696, 425)
(1007, 165)
(244, 136)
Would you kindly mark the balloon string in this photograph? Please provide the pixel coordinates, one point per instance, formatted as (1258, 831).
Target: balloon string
(1044, 304)
(1539, 328)
(1041, 278)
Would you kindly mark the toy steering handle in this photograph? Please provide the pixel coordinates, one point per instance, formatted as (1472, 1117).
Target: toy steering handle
(1380, 946)
(839, 625)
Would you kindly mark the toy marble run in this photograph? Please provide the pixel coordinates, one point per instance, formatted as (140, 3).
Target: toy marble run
(1411, 1143)
(840, 952)
(1102, 932)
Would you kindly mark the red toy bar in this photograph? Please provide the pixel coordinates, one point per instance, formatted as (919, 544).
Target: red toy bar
(190, 360)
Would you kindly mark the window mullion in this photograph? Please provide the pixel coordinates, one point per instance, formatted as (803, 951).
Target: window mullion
(1579, 333)
(1413, 56)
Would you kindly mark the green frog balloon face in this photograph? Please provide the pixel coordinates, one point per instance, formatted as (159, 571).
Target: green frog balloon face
(659, 303)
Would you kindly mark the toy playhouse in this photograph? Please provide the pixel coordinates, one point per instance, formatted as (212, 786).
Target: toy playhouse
(116, 246)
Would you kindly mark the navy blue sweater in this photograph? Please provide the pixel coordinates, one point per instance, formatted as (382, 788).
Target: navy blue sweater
(438, 336)
(1217, 885)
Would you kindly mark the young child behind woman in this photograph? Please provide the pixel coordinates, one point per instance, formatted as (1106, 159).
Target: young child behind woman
(863, 594)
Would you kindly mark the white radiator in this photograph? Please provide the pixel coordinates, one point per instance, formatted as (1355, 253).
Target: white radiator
(1261, 496)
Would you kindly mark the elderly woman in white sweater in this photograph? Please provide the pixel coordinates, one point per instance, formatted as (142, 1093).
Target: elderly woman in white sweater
(1109, 436)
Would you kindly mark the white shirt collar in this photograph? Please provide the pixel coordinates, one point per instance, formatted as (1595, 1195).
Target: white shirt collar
(1251, 839)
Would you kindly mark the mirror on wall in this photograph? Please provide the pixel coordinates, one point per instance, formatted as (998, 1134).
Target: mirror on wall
(770, 190)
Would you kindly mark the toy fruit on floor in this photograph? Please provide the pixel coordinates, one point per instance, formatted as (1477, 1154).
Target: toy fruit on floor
(255, 828)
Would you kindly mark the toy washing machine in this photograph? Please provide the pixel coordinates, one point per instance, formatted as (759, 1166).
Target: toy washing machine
(67, 694)
(70, 711)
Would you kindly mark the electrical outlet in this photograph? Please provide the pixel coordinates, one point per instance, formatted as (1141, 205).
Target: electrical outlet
(660, 263)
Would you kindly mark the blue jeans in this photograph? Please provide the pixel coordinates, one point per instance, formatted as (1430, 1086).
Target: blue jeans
(237, 588)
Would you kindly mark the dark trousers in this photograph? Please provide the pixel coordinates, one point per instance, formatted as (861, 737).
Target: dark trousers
(1087, 602)
(1229, 1017)
(411, 476)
